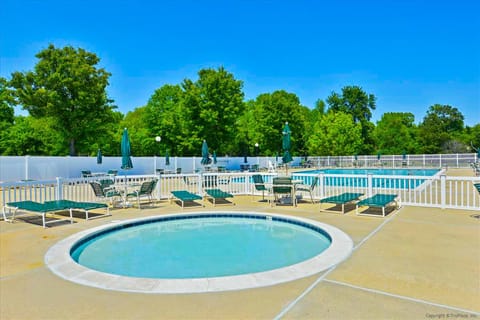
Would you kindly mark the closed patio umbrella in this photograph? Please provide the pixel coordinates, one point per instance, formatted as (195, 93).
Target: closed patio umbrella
(126, 153)
(167, 158)
(214, 157)
(205, 158)
(286, 145)
(99, 156)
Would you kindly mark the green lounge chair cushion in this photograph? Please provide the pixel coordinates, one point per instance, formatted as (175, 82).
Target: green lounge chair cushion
(218, 194)
(29, 206)
(185, 195)
(477, 186)
(342, 198)
(378, 200)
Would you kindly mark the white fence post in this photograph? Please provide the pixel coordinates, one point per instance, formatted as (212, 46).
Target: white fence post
(26, 167)
(443, 191)
(321, 185)
(59, 189)
(369, 185)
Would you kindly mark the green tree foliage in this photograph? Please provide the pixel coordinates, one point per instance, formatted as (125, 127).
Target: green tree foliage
(7, 114)
(164, 118)
(6, 104)
(359, 104)
(441, 125)
(395, 133)
(66, 86)
(31, 136)
(335, 134)
(471, 137)
(211, 106)
(142, 142)
(265, 117)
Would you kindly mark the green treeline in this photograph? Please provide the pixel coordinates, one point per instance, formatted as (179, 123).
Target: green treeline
(70, 113)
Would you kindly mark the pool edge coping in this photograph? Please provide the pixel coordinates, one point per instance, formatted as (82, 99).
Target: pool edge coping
(59, 261)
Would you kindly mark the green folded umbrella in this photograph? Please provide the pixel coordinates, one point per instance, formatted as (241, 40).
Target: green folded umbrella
(99, 156)
(126, 154)
(205, 158)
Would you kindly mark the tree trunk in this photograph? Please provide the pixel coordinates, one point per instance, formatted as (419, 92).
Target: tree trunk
(72, 148)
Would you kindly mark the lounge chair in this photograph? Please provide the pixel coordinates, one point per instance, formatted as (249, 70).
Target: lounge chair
(283, 186)
(80, 205)
(378, 201)
(308, 188)
(341, 199)
(43, 209)
(146, 190)
(217, 194)
(185, 196)
(259, 184)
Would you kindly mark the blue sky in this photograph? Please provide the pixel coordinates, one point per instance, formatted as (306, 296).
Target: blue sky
(409, 54)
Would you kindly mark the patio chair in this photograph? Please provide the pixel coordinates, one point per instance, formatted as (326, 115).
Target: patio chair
(259, 185)
(283, 186)
(308, 188)
(146, 190)
(109, 194)
(209, 181)
(217, 194)
(378, 201)
(185, 196)
(188, 181)
(86, 173)
(477, 186)
(107, 184)
(341, 199)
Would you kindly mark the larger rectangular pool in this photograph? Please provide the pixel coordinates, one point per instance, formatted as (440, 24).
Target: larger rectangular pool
(380, 177)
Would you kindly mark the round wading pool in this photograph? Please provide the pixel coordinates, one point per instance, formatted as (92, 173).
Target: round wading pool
(198, 252)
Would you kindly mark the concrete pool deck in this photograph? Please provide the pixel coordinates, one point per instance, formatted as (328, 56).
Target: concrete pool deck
(416, 263)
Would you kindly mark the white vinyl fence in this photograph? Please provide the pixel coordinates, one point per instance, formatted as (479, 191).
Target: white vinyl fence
(48, 168)
(429, 191)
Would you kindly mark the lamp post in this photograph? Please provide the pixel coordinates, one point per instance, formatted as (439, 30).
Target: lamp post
(256, 153)
(157, 139)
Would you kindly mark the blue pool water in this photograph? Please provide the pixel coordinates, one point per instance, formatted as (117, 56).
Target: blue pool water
(201, 246)
(381, 172)
(361, 181)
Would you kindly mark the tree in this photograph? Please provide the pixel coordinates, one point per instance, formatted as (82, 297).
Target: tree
(67, 87)
(395, 133)
(142, 143)
(265, 117)
(359, 104)
(7, 113)
(211, 106)
(164, 118)
(441, 124)
(335, 134)
(31, 136)
(7, 101)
